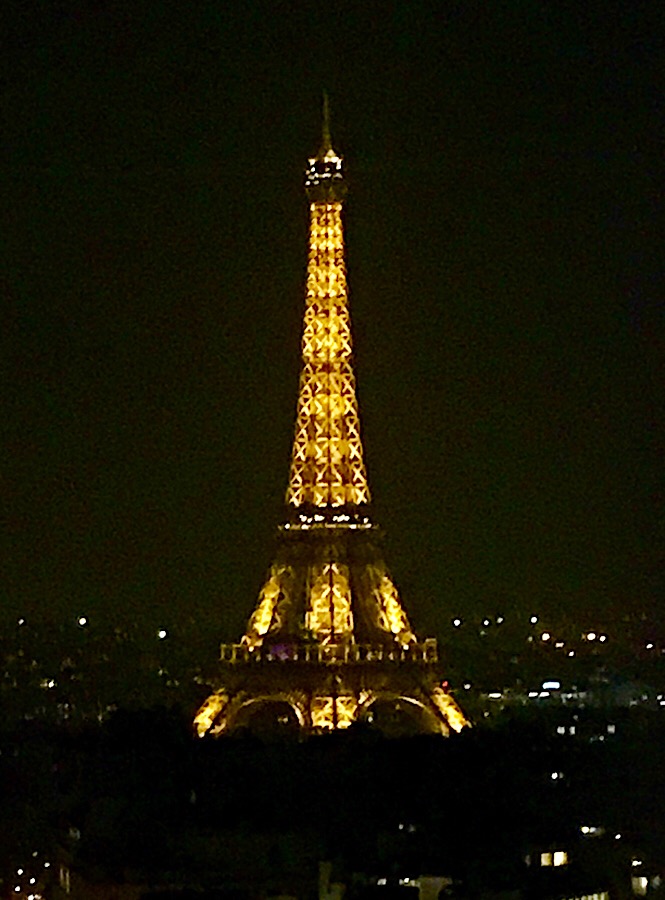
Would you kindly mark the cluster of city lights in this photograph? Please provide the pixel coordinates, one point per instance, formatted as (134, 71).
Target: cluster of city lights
(28, 884)
(589, 636)
(545, 636)
(318, 520)
(84, 622)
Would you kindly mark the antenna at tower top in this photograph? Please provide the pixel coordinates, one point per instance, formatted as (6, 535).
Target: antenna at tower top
(324, 179)
(326, 143)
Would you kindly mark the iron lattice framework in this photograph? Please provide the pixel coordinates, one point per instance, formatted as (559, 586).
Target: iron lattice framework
(327, 468)
(329, 640)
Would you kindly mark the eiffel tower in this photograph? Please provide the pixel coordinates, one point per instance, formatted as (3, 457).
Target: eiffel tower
(329, 642)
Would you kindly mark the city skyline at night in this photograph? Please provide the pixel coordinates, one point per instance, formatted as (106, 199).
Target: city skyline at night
(501, 241)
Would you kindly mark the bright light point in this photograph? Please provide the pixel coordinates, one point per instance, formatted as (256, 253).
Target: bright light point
(585, 829)
(617, 837)
(533, 620)
(467, 685)
(571, 653)
(559, 644)
(551, 685)
(83, 621)
(499, 620)
(33, 880)
(649, 646)
(636, 862)
(457, 622)
(591, 636)
(545, 636)
(162, 633)
(602, 638)
(19, 871)
(486, 622)
(21, 621)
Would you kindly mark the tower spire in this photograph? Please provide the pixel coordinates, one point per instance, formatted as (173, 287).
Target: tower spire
(326, 142)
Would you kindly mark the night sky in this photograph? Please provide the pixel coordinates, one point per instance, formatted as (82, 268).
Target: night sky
(506, 177)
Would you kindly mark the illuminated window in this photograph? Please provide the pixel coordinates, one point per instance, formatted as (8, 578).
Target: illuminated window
(554, 858)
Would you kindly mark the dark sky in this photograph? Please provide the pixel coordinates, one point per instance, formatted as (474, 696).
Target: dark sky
(505, 170)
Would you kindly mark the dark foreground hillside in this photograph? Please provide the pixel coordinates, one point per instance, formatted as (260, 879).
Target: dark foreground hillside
(137, 798)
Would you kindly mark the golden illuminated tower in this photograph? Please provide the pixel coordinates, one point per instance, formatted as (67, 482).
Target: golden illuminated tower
(329, 643)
